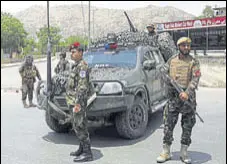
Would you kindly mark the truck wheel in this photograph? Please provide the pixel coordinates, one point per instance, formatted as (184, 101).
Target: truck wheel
(54, 125)
(132, 123)
(40, 94)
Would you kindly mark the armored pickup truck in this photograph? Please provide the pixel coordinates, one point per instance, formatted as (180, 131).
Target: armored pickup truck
(125, 86)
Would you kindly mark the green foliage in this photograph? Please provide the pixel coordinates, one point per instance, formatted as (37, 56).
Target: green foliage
(72, 39)
(30, 45)
(13, 33)
(208, 12)
(42, 35)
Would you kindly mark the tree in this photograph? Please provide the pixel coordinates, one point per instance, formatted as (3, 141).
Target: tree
(208, 12)
(13, 33)
(70, 40)
(42, 35)
(30, 45)
(73, 39)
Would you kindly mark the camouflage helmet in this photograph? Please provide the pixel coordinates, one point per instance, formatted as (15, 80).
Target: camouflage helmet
(63, 54)
(28, 59)
(184, 40)
(151, 25)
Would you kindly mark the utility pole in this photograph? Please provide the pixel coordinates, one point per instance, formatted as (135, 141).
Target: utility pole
(93, 24)
(89, 10)
(48, 53)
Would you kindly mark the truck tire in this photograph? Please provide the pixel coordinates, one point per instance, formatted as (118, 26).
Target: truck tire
(54, 125)
(132, 123)
(40, 94)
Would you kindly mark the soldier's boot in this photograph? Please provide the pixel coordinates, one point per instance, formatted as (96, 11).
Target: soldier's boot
(25, 104)
(184, 154)
(165, 154)
(31, 104)
(86, 154)
(78, 152)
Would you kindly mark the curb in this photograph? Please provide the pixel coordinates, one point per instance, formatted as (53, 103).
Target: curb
(19, 63)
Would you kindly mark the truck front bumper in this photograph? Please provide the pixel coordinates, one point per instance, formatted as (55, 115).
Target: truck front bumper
(107, 104)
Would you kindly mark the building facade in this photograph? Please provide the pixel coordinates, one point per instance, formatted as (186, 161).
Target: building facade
(206, 33)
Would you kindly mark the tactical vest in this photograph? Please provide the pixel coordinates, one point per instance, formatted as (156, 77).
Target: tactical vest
(62, 65)
(29, 72)
(181, 70)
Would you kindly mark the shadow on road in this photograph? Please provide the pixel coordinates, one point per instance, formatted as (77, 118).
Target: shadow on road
(106, 136)
(96, 154)
(197, 157)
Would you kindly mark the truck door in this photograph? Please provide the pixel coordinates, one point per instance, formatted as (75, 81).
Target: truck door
(161, 91)
(151, 79)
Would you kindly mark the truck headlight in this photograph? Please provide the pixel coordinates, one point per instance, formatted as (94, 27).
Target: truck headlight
(111, 88)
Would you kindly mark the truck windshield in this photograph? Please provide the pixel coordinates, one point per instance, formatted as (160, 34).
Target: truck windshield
(125, 58)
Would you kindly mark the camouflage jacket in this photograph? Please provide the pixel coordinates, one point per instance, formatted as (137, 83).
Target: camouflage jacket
(63, 65)
(152, 33)
(29, 73)
(186, 71)
(78, 84)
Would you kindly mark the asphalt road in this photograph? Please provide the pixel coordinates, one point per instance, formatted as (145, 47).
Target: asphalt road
(26, 139)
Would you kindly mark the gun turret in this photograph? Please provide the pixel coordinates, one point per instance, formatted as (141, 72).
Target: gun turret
(132, 28)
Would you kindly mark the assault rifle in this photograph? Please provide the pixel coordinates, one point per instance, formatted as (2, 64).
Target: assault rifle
(132, 28)
(166, 78)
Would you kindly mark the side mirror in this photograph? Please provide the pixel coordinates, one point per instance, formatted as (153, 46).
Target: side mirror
(148, 64)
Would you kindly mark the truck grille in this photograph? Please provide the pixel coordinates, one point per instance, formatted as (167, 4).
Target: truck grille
(61, 102)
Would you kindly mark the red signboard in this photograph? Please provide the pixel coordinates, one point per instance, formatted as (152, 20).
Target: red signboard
(206, 22)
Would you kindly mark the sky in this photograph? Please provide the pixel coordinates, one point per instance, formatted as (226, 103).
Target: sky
(192, 7)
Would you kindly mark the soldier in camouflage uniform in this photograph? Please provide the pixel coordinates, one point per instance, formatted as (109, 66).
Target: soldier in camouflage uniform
(28, 72)
(186, 71)
(152, 35)
(63, 64)
(151, 30)
(77, 95)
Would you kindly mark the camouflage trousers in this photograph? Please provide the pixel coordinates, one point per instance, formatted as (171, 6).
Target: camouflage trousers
(27, 89)
(171, 113)
(80, 126)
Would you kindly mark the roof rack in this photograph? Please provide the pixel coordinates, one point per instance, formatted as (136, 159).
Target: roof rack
(124, 39)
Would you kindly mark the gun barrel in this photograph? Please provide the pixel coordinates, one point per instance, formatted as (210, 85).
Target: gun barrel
(132, 28)
(200, 118)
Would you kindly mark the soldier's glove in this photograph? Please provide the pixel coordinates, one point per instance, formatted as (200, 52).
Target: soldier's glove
(76, 108)
(183, 96)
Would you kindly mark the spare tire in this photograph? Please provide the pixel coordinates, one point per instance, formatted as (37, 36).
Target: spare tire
(166, 45)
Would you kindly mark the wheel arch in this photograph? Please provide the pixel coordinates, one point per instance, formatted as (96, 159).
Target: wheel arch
(142, 93)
